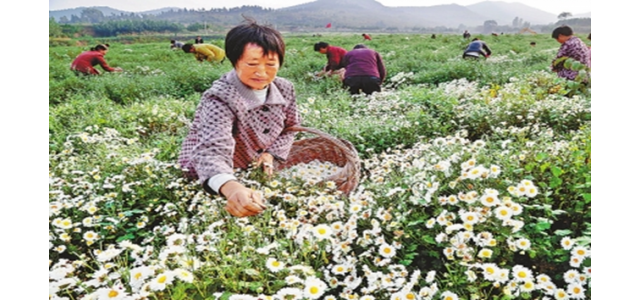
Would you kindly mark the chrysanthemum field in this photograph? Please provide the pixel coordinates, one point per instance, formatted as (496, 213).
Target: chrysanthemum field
(475, 184)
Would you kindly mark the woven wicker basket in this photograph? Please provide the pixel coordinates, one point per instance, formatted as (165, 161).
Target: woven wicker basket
(326, 148)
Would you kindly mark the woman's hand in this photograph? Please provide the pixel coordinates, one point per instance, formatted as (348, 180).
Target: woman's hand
(266, 161)
(241, 201)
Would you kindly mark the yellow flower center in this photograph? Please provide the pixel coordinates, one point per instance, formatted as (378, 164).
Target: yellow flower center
(576, 290)
(522, 274)
(581, 252)
(162, 279)
(314, 290)
(275, 263)
(387, 250)
(113, 293)
(322, 231)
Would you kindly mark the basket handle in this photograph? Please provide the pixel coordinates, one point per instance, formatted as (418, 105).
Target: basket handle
(349, 151)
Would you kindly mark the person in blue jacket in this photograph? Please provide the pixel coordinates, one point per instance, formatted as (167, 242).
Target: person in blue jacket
(476, 49)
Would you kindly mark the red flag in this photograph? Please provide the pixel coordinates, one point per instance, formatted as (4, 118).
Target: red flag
(328, 25)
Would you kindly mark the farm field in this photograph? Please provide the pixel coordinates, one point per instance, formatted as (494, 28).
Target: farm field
(475, 180)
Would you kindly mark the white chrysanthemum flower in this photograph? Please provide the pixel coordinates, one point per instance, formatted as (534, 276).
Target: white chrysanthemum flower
(521, 273)
(387, 251)
(90, 236)
(183, 275)
(289, 293)
(485, 253)
(489, 200)
(531, 191)
(576, 291)
(571, 276)
(339, 269)
(447, 295)
(116, 292)
(274, 265)
(364, 297)
(494, 171)
(502, 212)
(581, 251)
(576, 261)
(138, 276)
(314, 288)
(431, 275)
(561, 294)
(469, 217)
(523, 244)
(527, 286)
(567, 243)
(293, 279)
(322, 231)
(159, 283)
(108, 254)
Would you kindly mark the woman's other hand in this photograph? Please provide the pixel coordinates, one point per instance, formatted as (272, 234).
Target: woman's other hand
(266, 161)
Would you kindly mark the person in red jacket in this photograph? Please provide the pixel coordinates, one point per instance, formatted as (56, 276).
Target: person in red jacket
(85, 62)
(334, 57)
(366, 36)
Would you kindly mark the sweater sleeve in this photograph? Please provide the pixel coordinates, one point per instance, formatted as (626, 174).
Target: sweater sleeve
(213, 154)
(104, 64)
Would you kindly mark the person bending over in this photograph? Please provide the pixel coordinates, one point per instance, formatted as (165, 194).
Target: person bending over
(239, 121)
(84, 63)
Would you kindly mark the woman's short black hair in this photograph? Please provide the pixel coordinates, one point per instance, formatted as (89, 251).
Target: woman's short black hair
(100, 47)
(564, 30)
(187, 47)
(250, 32)
(320, 45)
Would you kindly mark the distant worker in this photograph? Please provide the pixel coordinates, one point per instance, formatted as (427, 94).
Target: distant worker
(206, 52)
(433, 36)
(366, 37)
(365, 70)
(477, 48)
(334, 57)
(532, 44)
(84, 63)
(176, 45)
(466, 34)
(199, 40)
(571, 47)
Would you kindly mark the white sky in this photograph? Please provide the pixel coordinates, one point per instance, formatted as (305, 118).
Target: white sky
(551, 6)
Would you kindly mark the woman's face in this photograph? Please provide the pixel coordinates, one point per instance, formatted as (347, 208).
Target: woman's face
(255, 69)
(562, 38)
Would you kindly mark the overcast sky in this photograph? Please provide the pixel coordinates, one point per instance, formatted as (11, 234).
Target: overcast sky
(551, 6)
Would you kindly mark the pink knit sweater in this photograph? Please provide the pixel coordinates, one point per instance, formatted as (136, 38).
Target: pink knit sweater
(231, 127)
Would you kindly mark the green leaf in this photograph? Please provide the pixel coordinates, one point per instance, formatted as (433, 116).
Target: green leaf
(555, 182)
(542, 226)
(562, 232)
(128, 236)
(556, 171)
(540, 156)
(586, 197)
(429, 239)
